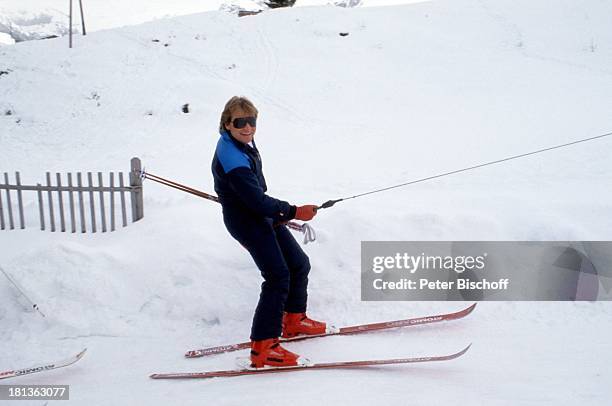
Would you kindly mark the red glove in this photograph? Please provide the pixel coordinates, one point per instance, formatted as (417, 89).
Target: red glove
(306, 212)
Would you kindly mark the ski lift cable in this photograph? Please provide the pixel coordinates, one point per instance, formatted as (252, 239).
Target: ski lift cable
(330, 203)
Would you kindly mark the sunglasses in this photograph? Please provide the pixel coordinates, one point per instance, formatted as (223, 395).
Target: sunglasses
(243, 121)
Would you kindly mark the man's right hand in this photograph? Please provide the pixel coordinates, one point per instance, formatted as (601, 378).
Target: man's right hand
(306, 212)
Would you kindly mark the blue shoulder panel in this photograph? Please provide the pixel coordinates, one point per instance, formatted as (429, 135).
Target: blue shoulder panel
(229, 155)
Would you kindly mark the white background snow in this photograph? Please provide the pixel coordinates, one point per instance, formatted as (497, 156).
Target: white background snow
(413, 90)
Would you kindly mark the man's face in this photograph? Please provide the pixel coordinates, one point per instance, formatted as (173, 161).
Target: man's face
(247, 132)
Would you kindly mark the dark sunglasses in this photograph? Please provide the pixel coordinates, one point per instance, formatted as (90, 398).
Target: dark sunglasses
(243, 121)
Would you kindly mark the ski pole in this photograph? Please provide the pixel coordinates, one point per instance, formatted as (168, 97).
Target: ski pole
(34, 305)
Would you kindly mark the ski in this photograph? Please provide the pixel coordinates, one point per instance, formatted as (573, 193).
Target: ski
(42, 368)
(358, 329)
(329, 365)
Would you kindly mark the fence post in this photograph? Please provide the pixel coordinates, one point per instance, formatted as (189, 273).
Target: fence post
(70, 26)
(136, 192)
(82, 17)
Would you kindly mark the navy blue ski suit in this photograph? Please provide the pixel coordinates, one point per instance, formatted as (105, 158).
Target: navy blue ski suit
(255, 220)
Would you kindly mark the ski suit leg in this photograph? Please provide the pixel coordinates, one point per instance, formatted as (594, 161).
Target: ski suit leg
(259, 238)
(299, 267)
(284, 267)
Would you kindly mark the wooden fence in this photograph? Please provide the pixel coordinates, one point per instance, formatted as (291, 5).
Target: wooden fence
(71, 201)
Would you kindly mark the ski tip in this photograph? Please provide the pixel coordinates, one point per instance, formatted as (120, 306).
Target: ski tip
(160, 376)
(81, 354)
(463, 351)
(461, 313)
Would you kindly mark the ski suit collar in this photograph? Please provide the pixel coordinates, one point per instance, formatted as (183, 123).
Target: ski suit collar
(243, 147)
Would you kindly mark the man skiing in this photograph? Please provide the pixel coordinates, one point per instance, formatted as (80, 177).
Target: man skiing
(256, 221)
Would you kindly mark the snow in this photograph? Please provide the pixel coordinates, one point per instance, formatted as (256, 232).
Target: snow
(39, 19)
(6, 39)
(414, 90)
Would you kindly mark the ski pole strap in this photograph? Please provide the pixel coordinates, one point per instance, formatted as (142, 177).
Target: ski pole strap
(308, 231)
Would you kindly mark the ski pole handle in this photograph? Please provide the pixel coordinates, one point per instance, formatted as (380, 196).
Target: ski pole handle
(329, 203)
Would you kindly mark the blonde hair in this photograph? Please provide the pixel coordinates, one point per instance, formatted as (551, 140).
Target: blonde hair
(236, 102)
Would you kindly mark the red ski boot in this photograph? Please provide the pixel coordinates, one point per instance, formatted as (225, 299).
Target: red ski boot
(269, 352)
(295, 324)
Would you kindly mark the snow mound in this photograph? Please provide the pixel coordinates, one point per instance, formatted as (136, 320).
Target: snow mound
(24, 25)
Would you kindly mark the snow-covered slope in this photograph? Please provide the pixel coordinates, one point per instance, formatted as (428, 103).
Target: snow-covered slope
(38, 19)
(412, 91)
(35, 19)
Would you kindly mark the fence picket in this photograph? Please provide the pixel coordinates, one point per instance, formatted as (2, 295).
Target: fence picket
(2, 225)
(50, 196)
(61, 203)
(123, 208)
(81, 206)
(41, 209)
(9, 206)
(112, 201)
(20, 201)
(71, 200)
(92, 205)
(102, 208)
